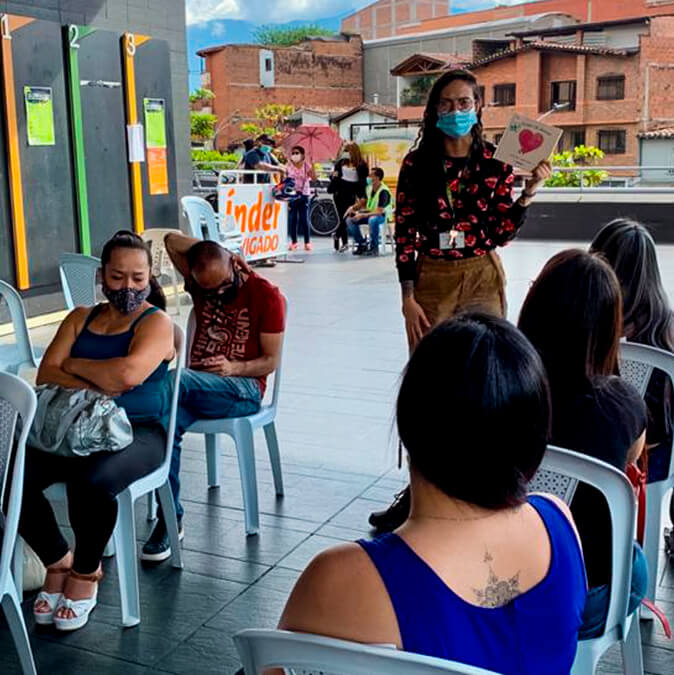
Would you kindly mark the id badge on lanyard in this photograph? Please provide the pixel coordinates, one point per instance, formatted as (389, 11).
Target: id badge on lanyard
(453, 238)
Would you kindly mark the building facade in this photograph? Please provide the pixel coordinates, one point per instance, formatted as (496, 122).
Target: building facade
(322, 73)
(612, 80)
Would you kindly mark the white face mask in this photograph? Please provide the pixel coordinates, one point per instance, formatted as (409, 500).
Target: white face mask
(346, 156)
(296, 157)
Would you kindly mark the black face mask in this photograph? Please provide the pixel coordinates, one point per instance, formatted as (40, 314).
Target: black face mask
(226, 294)
(126, 300)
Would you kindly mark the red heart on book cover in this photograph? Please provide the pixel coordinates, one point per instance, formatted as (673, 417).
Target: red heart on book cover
(529, 140)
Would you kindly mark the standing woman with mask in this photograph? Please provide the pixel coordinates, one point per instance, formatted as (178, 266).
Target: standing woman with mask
(347, 185)
(298, 209)
(454, 207)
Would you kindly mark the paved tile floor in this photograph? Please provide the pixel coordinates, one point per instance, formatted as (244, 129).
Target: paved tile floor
(344, 352)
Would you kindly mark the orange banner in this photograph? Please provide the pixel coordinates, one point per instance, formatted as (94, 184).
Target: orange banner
(157, 169)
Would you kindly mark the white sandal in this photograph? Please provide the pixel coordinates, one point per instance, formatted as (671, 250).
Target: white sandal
(52, 600)
(81, 609)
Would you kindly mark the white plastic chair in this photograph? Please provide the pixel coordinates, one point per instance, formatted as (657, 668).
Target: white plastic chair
(617, 490)
(205, 224)
(162, 265)
(21, 353)
(124, 534)
(78, 279)
(242, 430)
(636, 366)
(17, 399)
(318, 655)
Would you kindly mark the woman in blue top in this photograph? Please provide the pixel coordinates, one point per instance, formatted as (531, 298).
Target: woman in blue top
(480, 572)
(121, 348)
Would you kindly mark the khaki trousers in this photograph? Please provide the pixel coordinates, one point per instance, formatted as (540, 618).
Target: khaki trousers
(446, 287)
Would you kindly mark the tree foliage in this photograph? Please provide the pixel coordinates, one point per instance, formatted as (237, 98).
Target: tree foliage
(202, 126)
(581, 155)
(201, 95)
(273, 36)
(418, 90)
(271, 120)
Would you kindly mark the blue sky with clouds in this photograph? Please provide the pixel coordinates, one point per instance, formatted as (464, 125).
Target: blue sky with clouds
(282, 11)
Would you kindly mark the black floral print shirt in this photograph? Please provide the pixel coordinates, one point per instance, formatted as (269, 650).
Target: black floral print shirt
(477, 202)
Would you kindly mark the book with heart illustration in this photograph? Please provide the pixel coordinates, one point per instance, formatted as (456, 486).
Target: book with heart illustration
(526, 142)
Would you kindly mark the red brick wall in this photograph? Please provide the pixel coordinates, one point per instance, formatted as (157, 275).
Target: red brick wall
(319, 74)
(657, 68)
(601, 10)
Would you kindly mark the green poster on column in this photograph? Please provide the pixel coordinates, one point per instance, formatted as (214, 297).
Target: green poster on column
(39, 115)
(155, 122)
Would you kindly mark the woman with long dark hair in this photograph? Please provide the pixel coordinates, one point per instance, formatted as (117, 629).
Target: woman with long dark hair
(347, 186)
(647, 319)
(480, 573)
(454, 208)
(120, 348)
(573, 317)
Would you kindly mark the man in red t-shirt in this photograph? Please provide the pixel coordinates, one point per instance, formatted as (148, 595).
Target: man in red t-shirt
(236, 344)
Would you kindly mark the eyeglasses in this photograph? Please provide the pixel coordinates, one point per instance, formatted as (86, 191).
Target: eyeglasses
(464, 104)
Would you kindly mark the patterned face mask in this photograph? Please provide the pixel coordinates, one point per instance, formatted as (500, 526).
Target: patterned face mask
(126, 300)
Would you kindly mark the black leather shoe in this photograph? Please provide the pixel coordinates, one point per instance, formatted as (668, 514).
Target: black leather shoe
(394, 516)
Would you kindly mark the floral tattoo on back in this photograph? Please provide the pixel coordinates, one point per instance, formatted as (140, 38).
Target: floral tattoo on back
(497, 592)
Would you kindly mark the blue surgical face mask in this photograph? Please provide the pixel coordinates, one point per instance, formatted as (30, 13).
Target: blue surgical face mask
(369, 180)
(458, 123)
(266, 149)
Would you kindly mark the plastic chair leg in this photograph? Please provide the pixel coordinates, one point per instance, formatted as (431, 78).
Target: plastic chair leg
(633, 660)
(17, 566)
(168, 508)
(151, 507)
(17, 627)
(212, 460)
(127, 566)
(274, 457)
(245, 449)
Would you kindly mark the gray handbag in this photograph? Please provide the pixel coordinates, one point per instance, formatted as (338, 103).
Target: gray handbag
(78, 422)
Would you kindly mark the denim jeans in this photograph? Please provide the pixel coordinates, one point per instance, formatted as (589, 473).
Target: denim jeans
(596, 604)
(208, 396)
(374, 222)
(298, 219)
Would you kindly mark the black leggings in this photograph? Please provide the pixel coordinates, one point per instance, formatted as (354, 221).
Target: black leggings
(92, 483)
(343, 200)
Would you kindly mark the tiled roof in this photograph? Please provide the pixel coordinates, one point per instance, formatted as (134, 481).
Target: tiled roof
(443, 61)
(666, 132)
(552, 47)
(376, 108)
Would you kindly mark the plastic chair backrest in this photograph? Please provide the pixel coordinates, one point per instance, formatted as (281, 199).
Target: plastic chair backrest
(161, 261)
(17, 399)
(17, 315)
(636, 366)
(179, 341)
(617, 491)
(191, 326)
(78, 279)
(200, 214)
(318, 655)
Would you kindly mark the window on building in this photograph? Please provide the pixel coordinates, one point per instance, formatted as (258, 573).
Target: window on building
(611, 88)
(571, 138)
(612, 141)
(497, 138)
(504, 94)
(563, 92)
(268, 65)
(481, 90)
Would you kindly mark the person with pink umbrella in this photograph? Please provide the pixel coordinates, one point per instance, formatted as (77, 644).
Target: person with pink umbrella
(298, 209)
